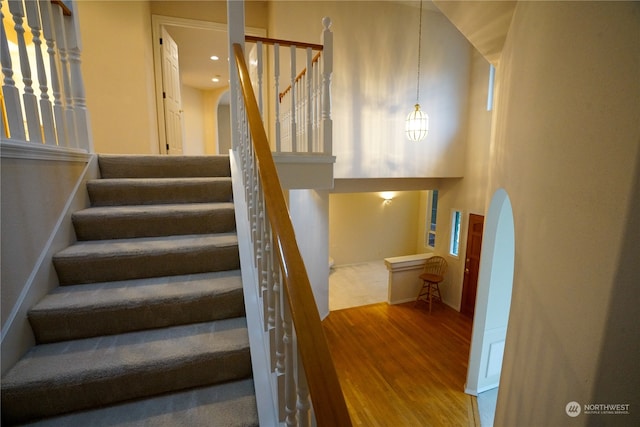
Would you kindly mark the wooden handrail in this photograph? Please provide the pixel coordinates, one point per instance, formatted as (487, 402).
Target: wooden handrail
(65, 9)
(315, 59)
(266, 40)
(324, 387)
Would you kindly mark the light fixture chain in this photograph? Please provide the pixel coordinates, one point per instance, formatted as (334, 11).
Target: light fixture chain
(419, 54)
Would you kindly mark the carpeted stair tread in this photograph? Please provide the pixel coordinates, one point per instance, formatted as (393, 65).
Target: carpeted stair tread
(123, 259)
(119, 222)
(149, 166)
(146, 191)
(73, 375)
(231, 404)
(81, 311)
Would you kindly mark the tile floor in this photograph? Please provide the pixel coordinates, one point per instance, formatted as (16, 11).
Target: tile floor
(487, 407)
(359, 284)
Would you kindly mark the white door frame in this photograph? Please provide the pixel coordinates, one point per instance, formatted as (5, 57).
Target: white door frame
(157, 22)
(493, 297)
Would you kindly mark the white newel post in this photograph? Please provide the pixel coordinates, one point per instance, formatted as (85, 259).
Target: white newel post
(33, 19)
(10, 93)
(260, 66)
(327, 70)
(235, 24)
(28, 97)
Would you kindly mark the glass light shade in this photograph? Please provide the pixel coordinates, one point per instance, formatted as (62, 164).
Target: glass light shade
(417, 125)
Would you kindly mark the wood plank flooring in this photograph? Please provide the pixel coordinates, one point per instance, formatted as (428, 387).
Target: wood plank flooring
(401, 366)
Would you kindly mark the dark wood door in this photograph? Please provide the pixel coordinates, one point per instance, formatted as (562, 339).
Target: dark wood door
(472, 264)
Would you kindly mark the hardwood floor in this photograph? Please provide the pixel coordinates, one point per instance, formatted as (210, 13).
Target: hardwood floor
(401, 366)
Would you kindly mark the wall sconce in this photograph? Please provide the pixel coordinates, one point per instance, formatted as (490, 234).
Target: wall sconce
(387, 196)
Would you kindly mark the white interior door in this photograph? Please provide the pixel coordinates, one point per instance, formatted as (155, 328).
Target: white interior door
(171, 94)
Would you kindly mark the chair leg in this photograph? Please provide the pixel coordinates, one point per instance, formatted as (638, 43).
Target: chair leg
(430, 297)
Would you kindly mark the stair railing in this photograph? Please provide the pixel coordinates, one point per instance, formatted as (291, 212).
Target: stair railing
(303, 109)
(43, 39)
(304, 383)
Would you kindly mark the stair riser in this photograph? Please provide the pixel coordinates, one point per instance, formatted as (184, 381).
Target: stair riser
(119, 194)
(60, 326)
(163, 166)
(80, 270)
(18, 405)
(124, 227)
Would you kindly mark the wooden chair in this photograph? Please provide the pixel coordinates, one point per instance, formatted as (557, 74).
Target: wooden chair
(432, 274)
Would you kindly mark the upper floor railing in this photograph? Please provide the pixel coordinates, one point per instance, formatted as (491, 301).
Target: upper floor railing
(43, 98)
(302, 108)
(305, 387)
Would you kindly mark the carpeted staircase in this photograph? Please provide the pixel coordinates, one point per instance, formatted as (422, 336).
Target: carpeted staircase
(147, 327)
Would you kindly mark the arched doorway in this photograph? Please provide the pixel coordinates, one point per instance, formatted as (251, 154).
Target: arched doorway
(495, 282)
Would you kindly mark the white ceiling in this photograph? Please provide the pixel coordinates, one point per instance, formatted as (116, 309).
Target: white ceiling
(195, 48)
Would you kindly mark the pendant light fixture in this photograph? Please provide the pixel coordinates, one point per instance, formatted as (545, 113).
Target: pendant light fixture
(417, 123)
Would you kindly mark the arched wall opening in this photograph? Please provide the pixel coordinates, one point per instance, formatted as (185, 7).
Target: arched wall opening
(493, 301)
(223, 124)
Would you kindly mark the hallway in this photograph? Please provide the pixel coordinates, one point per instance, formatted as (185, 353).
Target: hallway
(401, 366)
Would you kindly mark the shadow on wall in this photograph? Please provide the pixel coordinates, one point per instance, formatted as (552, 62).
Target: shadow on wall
(618, 377)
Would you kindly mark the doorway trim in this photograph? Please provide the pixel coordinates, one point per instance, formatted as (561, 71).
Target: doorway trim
(493, 298)
(157, 22)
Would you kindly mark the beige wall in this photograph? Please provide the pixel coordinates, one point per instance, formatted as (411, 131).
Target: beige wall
(374, 84)
(362, 228)
(566, 149)
(468, 194)
(216, 122)
(34, 196)
(117, 66)
(118, 70)
(193, 104)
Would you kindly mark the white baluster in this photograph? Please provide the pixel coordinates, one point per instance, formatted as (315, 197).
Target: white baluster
(81, 114)
(15, 122)
(28, 97)
(309, 105)
(54, 66)
(327, 69)
(279, 336)
(65, 76)
(292, 95)
(290, 395)
(303, 403)
(33, 19)
(269, 283)
(276, 65)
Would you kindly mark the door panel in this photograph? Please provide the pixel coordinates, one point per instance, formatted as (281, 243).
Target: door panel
(171, 94)
(472, 264)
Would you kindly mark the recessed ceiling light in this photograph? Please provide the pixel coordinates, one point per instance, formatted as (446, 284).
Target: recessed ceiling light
(214, 58)
(215, 79)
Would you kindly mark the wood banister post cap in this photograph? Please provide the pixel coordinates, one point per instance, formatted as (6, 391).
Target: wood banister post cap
(326, 22)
